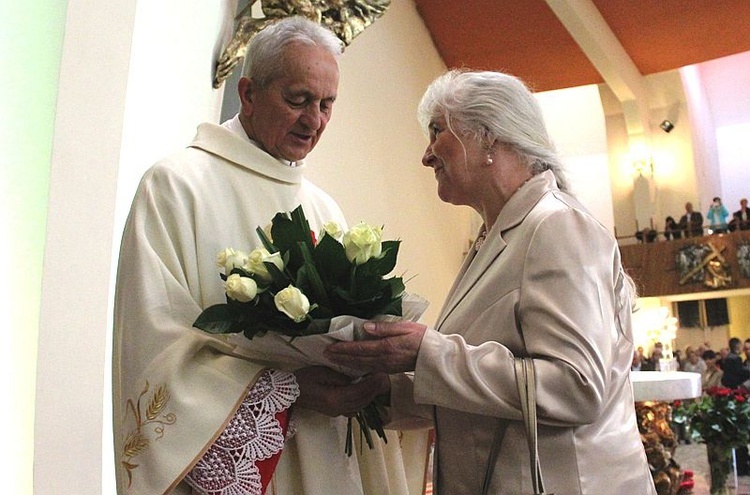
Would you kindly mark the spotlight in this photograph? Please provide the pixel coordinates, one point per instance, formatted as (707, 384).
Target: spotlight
(666, 126)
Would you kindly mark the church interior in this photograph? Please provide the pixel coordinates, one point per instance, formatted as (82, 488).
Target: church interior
(647, 102)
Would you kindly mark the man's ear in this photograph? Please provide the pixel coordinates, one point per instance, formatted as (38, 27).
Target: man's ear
(246, 91)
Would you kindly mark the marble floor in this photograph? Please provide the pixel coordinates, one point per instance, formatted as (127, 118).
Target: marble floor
(694, 458)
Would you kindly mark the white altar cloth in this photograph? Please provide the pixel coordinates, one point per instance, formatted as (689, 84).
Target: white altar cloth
(665, 385)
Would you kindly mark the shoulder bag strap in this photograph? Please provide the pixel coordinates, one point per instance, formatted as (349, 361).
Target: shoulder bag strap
(525, 380)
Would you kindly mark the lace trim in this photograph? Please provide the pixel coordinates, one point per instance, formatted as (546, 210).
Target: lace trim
(253, 434)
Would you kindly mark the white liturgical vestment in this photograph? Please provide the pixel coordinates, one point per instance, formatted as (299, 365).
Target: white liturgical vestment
(176, 388)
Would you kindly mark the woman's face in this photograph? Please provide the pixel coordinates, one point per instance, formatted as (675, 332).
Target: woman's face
(454, 164)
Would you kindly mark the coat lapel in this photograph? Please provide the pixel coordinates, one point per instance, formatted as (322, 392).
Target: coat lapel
(477, 263)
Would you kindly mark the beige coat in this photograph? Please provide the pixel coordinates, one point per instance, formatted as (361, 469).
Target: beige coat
(546, 283)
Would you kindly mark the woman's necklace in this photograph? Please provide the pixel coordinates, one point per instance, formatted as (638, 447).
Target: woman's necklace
(480, 240)
(483, 235)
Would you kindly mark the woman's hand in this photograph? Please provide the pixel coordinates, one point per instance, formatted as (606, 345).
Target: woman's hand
(394, 348)
(333, 394)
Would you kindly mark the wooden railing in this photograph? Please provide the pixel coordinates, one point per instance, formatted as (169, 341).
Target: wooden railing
(654, 266)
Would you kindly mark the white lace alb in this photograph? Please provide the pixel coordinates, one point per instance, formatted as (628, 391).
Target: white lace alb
(253, 434)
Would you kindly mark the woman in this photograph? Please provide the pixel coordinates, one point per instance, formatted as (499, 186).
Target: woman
(545, 281)
(711, 376)
(717, 216)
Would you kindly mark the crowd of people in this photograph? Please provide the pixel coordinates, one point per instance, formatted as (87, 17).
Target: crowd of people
(691, 223)
(729, 367)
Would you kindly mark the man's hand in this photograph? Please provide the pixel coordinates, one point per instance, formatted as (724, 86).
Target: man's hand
(333, 394)
(394, 349)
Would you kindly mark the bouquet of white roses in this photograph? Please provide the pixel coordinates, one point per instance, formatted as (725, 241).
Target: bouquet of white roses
(300, 287)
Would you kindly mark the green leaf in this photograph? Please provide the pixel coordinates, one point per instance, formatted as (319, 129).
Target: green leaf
(397, 286)
(308, 277)
(288, 233)
(330, 257)
(299, 219)
(266, 241)
(219, 318)
(279, 279)
(285, 234)
(393, 307)
(383, 264)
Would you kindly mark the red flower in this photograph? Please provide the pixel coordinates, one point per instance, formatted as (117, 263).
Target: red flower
(719, 391)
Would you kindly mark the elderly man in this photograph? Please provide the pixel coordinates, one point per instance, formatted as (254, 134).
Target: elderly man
(691, 223)
(191, 415)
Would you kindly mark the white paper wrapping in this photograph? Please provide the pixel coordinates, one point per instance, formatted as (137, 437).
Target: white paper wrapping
(290, 353)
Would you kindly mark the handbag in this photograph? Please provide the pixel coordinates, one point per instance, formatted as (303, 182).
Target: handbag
(525, 381)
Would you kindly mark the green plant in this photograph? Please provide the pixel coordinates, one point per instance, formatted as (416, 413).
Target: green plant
(721, 416)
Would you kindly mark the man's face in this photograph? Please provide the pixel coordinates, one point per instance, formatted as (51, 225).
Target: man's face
(287, 117)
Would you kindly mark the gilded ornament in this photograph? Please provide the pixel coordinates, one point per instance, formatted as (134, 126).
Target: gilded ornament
(704, 263)
(743, 259)
(346, 18)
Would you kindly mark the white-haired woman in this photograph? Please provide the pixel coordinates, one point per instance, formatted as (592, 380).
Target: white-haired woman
(544, 280)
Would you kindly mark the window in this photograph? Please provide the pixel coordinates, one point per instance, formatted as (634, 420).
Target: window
(703, 313)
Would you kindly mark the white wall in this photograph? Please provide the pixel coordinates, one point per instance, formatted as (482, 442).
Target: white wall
(583, 146)
(73, 321)
(727, 81)
(28, 92)
(703, 129)
(734, 156)
(116, 109)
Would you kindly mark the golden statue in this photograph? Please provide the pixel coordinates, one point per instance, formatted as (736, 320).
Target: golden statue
(346, 18)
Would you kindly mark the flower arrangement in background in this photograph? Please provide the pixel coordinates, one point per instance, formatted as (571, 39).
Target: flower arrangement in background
(296, 284)
(720, 418)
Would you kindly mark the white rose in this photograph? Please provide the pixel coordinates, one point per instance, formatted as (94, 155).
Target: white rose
(239, 288)
(229, 258)
(363, 242)
(293, 303)
(333, 229)
(255, 263)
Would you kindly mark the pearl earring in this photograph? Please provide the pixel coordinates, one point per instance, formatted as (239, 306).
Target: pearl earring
(490, 161)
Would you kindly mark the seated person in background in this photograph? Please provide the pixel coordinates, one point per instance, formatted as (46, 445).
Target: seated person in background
(717, 217)
(693, 363)
(637, 362)
(679, 357)
(646, 235)
(691, 223)
(723, 352)
(711, 376)
(746, 352)
(735, 373)
(652, 363)
(741, 217)
(672, 229)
